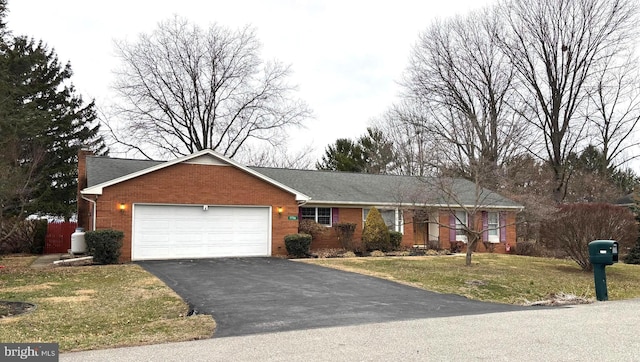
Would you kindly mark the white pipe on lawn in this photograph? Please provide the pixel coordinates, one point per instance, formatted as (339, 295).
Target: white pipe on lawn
(65, 261)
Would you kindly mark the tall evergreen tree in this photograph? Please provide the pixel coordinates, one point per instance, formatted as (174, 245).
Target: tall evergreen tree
(3, 13)
(43, 123)
(345, 155)
(371, 153)
(377, 151)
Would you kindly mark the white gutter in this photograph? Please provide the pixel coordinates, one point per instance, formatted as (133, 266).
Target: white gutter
(395, 204)
(93, 213)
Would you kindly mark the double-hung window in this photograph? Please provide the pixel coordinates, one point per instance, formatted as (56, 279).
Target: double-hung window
(321, 215)
(493, 227)
(461, 224)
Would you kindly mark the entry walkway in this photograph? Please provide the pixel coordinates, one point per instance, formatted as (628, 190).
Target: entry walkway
(45, 261)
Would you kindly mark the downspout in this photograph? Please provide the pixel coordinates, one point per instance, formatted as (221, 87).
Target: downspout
(93, 212)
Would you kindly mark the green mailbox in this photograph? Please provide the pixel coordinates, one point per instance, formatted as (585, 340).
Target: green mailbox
(601, 254)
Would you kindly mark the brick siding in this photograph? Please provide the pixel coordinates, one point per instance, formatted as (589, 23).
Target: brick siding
(197, 185)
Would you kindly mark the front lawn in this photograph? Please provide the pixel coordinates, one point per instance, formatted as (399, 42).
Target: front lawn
(493, 277)
(94, 307)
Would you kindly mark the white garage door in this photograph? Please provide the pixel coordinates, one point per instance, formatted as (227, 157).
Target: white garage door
(182, 232)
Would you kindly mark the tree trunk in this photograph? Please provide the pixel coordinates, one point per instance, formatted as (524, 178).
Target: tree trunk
(470, 246)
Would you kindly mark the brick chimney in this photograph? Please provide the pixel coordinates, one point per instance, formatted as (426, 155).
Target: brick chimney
(84, 209)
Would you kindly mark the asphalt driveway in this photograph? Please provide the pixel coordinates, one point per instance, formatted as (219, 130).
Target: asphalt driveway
(260, 295)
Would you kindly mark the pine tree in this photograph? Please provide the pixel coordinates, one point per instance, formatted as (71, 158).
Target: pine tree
(634, 255)
(371, 153)
(344, 155)
(42, 125)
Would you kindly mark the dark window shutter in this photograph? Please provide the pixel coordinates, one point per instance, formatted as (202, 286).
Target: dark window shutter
(503, 227)
(485, 226)
(452, 227)
(335, 215)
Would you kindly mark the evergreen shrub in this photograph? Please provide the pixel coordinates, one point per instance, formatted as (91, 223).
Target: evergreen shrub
(375, 235)
(297, 245)
(104, 245)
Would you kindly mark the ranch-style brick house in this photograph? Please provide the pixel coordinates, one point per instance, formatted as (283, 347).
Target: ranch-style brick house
(206, 205)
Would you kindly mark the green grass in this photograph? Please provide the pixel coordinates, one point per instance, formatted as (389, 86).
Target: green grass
(493, 277)
(94, 307)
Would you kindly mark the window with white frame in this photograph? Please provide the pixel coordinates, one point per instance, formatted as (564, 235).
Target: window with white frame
(493, 226)
(461, 224)
(321, 215)
(392, 218)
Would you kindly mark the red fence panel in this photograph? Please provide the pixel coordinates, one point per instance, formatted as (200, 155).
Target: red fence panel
(58, 239)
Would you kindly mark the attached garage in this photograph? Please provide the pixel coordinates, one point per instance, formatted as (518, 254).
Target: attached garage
(202, 205)
(199, 231)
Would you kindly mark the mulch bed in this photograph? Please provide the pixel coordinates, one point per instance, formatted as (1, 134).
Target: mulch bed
(10, 309)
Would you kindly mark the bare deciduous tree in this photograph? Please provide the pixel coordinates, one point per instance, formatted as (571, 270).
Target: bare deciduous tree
(185, 88)
(466, 201)
(465, 82)
(555, 46)
(279, 158)
(614, 105)
(413, 148)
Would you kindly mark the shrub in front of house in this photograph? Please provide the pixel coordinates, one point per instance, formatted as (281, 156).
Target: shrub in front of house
(345, 231)
(104, 245)
(312, 228)
(527, 248)
(375, 235)
(456, 247)
(572, 227)
(395, 237)
(297, 244)
(327, 253)
(377, 254)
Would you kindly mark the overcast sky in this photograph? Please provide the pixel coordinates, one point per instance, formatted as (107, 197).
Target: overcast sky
(347, 56)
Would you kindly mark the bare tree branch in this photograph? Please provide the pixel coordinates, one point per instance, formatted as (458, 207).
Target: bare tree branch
(465, 84)
(555, 46)
(184, 89)
(615, 108)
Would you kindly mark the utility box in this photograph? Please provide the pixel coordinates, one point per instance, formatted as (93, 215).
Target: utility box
(603, 252)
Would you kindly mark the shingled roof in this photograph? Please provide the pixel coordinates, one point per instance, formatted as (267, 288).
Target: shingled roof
(331, 187)
(102, 169)
(338, 188)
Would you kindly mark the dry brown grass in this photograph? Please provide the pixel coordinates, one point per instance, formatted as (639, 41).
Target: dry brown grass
(492, 277)
(95, 307)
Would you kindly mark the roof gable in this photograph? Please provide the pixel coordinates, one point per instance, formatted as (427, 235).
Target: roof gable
(115, 171)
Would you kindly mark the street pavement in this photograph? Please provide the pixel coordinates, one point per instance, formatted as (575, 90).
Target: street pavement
(603, 331)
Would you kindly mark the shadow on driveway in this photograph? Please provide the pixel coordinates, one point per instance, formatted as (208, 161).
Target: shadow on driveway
(260, 295)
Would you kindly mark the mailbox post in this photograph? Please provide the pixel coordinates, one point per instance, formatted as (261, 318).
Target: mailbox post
(601, 254)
